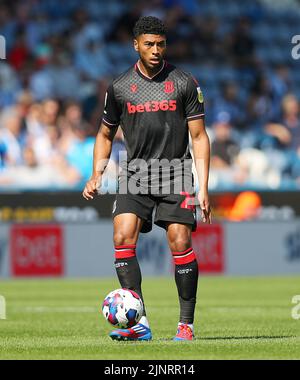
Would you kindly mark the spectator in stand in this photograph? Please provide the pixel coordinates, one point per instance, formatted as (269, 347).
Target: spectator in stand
(224, 147)
(286, 137)
(73, 113)
(31, 175)
(34, 122)
(241, 45)
(84, 30)
(260, 105)
(11, 137)
(42, 133)
(208, 44)
(254, 168)
(120, 43)
(9, 85)
(24, 101)
(154, 8)
(191, 7)
(230, 102)
(77, 139)
(46, 146)
(93, 104)
(7, 24)
(291, 120)
(92, 60)
(281, 84)
(3, 152)
(181, 28)
(41, 84)
(19, 53)
(64, 76)
(65, 125)
(37, 31)
(287, 131)
(224, 150)
(50, 112)
(126, 21)
(80, 153)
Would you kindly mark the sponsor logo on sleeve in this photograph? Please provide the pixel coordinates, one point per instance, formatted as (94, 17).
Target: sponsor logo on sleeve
(200, 95)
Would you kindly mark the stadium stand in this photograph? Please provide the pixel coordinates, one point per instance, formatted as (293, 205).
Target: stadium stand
(62, 55)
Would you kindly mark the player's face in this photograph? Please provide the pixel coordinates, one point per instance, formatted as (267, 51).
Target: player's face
(151, 48)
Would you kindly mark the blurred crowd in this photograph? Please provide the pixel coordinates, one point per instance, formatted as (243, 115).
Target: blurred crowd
(61, 56)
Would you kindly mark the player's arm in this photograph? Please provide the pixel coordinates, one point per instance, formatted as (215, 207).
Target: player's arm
(102, 151)
(201, 153)
(103, 143)
(194, 107)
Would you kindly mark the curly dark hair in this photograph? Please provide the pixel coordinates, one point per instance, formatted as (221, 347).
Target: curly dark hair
(149, 25)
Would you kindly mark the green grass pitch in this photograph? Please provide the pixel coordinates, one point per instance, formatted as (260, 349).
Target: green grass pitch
(236, 318)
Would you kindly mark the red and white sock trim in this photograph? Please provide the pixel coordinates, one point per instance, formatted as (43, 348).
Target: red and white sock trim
(125, 251)
(184, 257)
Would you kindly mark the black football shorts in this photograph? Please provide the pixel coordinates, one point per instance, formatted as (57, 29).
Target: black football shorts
(177, 208)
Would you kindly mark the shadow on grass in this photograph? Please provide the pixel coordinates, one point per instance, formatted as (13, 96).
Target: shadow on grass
(246, 337)
(232, 338)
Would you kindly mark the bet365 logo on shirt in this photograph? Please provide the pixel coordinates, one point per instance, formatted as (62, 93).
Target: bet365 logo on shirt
(152, 106)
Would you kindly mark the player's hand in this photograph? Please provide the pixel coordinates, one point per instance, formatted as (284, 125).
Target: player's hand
(91, 188)
(205, 206)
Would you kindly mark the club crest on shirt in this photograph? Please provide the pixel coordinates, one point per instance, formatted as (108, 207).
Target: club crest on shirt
(200, 95)
(169, 87)
(133, 88)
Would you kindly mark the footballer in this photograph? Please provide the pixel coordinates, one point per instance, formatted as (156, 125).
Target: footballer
(158, 106)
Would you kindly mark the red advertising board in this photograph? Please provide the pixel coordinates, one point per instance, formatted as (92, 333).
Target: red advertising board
(36, 250)
(208, 245)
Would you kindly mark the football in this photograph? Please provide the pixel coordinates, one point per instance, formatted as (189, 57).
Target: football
(123, 308)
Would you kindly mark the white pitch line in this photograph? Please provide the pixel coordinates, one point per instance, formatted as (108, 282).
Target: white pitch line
(46, 309)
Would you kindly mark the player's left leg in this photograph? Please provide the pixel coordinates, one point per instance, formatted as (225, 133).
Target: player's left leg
(177, 214)
(186, 276)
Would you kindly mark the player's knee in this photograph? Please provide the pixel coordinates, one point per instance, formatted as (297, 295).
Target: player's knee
(178, 244)
(122, 238)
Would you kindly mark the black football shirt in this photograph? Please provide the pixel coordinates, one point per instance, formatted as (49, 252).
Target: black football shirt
(153, 114)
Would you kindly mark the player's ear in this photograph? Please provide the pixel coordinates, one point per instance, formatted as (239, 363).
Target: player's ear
(136, 45)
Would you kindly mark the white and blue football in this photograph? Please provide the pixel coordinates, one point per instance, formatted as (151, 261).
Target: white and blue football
(123, 308)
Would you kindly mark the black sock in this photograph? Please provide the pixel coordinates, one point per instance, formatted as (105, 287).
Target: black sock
(186, 278)
(129, 275)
